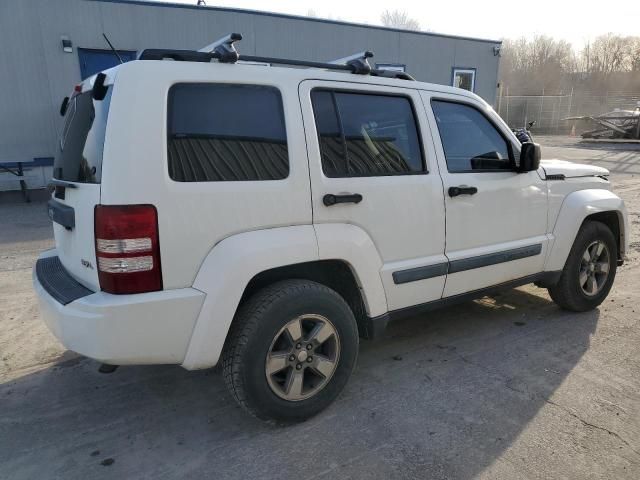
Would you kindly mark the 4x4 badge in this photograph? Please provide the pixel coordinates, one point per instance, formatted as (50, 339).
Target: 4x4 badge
(86, 263)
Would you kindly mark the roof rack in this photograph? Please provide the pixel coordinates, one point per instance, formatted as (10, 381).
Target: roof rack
(358, 61)
(224, 51)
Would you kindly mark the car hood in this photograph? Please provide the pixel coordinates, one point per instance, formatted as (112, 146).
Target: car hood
(570, 169)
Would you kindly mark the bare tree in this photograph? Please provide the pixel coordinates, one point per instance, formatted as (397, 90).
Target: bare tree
(541, 63)
(612, 53)
(635, 55)
(530, 66)
(399, 19)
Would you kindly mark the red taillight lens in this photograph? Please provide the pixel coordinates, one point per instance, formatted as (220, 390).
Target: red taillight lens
(127, 248)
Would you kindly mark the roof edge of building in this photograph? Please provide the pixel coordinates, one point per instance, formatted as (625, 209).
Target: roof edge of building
(152, 3)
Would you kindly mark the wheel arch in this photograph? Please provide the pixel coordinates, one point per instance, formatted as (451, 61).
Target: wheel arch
(336, 274)
(242, 263)
(582, 206)
(615, 221)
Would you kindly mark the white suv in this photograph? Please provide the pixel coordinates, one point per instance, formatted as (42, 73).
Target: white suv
(267, 217)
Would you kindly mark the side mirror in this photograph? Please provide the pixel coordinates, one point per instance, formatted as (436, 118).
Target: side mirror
(529, 157)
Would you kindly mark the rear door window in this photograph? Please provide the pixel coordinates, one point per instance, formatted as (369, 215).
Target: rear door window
(219, 132)
(364, 135)
(79, 154)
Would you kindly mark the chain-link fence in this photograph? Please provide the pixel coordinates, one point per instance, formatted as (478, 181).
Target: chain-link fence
(550, 111)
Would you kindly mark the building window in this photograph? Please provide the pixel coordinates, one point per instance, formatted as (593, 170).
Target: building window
(364, 135)
(464, 78)
(93, 61)
(226, 132)
(394, 67)
(470, 141)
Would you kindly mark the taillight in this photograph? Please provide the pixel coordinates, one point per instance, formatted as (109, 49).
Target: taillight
(127, 248)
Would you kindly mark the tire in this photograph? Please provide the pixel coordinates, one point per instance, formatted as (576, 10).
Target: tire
(570, 293)
(262, 331)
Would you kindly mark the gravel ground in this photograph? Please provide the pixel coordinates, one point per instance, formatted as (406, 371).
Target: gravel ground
(506, 387)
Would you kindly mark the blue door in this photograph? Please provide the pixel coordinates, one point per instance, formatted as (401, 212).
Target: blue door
(93, 61)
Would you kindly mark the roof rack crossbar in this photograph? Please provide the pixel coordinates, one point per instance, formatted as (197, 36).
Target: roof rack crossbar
(296, 63)
(359, 62)
(224, 49)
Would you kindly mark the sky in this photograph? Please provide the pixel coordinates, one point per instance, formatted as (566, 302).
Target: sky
(575, 21)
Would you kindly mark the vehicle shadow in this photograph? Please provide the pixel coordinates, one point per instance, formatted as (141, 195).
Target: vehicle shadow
(440, 396)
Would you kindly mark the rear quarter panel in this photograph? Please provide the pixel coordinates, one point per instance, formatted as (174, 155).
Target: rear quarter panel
(193, 217)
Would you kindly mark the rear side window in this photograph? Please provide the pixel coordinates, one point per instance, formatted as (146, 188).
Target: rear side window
(470, 141)
(363, 135)
(226, 133)
(79, 154)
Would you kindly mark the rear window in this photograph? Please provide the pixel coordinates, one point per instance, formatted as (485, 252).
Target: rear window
(79, 154)
(226, 133)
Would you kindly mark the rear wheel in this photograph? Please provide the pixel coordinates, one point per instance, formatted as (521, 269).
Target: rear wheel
(590, 269)
(292, 348)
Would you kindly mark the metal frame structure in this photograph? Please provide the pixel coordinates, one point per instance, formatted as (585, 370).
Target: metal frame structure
(16, 169)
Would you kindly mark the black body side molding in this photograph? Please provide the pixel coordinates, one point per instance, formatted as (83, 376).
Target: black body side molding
(420, 273)
(439, 269)
(494, 258)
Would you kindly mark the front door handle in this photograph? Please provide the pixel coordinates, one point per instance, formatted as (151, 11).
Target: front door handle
(331, 199)
(462, 190)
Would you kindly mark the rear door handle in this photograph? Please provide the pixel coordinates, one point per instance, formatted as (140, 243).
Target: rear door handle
(462, 190)
(331, 199)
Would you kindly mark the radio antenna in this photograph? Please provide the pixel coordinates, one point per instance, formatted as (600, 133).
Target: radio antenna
(115, 52)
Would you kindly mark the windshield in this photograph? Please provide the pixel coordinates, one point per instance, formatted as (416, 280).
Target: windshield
(79, 154)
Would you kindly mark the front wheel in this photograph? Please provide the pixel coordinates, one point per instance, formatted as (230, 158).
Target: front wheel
(291, 351)
(590, 269)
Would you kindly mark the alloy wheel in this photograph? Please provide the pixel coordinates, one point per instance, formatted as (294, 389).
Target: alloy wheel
(303, 357)
(594, 268)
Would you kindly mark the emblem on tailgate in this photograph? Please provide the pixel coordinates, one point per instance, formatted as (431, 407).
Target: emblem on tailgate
(86, 263)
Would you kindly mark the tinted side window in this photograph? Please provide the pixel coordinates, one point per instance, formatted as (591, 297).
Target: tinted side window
(469, 140)
(365, 135)
(226, 133)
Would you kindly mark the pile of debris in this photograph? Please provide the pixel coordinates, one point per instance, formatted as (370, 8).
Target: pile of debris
(616, 124)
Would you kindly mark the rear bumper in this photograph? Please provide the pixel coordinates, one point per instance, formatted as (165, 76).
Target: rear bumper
(145, 328)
